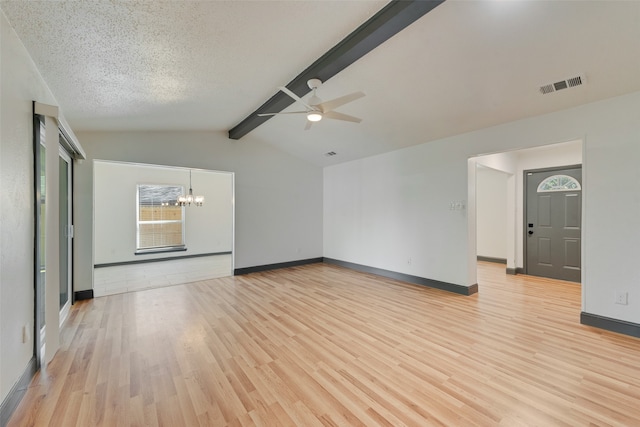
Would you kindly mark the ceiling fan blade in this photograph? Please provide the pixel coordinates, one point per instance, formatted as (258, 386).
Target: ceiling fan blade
(340, 116)
(277, 114)
(296, 97)
(335, 103)
(308, 125)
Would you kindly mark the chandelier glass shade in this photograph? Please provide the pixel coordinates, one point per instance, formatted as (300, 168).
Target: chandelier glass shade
(189, 199)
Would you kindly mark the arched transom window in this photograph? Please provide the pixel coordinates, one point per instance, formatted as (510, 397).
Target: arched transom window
(559, 183)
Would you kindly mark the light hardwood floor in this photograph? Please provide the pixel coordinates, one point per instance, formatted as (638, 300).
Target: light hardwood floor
(321, 345)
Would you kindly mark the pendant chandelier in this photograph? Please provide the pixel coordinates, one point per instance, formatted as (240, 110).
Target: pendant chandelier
(190, 198)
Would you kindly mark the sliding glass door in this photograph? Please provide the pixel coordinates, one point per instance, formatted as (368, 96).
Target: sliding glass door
(40, 189)
(52, 259)
(66, 233)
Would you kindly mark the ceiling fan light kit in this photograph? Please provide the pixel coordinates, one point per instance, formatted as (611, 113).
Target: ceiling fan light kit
(314, 116)
(315, 109)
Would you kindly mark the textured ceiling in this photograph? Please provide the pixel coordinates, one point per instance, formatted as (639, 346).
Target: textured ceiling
(206, 65)
(175, 64)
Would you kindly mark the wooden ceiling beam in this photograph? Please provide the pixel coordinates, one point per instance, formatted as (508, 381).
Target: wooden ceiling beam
(387, 22)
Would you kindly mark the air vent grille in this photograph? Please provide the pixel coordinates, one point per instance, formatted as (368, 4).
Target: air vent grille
(547, 89)
(563, 84)
(560, 85)
(575, 81)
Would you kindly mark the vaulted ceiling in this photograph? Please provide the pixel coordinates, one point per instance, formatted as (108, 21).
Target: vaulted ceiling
(466, 65)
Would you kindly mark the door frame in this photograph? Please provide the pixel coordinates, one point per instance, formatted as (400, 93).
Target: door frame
(525, 196)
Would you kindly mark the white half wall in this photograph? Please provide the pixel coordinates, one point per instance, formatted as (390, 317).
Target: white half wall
(278, 197)
(382, 210)
(208, 229)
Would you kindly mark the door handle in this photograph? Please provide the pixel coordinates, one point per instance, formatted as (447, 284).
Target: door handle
(530, 232)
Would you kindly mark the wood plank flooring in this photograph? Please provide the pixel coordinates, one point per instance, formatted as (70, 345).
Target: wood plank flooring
(319, 345)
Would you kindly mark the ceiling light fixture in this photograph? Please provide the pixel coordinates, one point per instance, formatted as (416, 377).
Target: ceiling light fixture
(314, 116)
(190, 198)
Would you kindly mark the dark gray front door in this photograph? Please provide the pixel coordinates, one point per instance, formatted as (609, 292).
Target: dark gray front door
(553, 222)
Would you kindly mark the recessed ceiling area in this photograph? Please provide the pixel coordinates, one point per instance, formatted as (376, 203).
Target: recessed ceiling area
(464, 66)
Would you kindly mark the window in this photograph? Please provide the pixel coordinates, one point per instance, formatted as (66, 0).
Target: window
(559, 183)
(160, 222)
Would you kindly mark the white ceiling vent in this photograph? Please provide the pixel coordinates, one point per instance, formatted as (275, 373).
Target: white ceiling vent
(563, 84)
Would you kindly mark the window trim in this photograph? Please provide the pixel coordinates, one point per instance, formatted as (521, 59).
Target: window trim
(164, 248)
(160, 249)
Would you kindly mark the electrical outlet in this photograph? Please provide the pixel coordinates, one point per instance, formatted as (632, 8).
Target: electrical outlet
(621, 297)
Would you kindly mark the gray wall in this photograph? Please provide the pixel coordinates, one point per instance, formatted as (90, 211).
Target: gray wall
(278, 197)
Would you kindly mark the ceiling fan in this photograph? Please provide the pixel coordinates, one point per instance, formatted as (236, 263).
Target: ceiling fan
(316, 110)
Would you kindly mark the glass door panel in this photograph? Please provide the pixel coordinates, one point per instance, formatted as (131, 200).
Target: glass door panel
(65, 233)
(40, 156)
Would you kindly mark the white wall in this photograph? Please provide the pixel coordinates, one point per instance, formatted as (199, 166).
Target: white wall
(208, 229)
(392, 212)
(278, 197)
(20, 84)
(381, 210)
(507, 163)
(491, 213)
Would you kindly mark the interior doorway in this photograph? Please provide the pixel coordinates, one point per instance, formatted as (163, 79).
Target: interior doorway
(512, 165)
